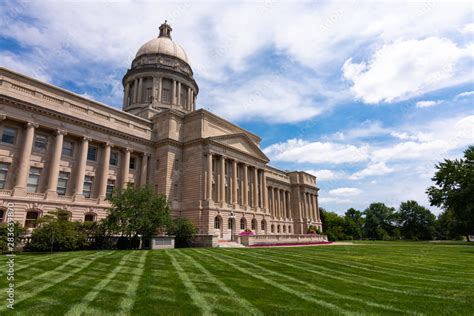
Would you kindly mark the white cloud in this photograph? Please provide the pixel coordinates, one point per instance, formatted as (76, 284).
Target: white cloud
(326, 174)
(376, 169)
(342, 192)
(408, 68)
(297, 150)
(464, 94)
(468, 28)
(426, 104)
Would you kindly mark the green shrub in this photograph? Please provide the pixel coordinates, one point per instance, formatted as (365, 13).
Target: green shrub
(4, 238)
(184, 230)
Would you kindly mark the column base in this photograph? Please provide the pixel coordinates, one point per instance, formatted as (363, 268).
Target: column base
(51, 195)
(19, 191)
(78, 198)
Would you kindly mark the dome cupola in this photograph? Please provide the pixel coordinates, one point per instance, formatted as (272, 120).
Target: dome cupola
(160, 78)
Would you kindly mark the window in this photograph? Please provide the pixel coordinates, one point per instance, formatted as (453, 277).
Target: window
(62, 183)
(3, 174)
(273, 228)
(41, 143)
(175, 192)
(148, 95)
(254, 224)
(89, 218)
(176, 164)
(9, 135)
(132, 164)
(284, 228)
(278, 228)
(242, 223)
(92, 153)
(68, 148)
(262, 225)
(217, 223)
(33, 180)
(230, 223)
(114, 158)
(289, 229)
(2, 214)
(166, 96)
(87, 190)
(110, 188)
(31, 218)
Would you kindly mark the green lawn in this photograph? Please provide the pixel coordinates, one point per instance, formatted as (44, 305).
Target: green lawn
(365, 278)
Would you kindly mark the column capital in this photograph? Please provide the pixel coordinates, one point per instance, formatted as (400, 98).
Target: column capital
(130, 150)
(3, 117)
(61, 132)
(32, 124)
(146, 154)
(85, 138)
(108, 144)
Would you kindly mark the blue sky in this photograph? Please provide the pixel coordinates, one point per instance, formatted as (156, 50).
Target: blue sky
(367, 96)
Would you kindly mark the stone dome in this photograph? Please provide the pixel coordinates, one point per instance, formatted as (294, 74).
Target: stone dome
(163, 44)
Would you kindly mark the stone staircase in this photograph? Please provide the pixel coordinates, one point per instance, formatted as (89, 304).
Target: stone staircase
(229, 244)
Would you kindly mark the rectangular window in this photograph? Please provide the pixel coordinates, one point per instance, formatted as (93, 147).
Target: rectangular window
(132, 164)
(92, 153)
(40, 143)
(3, 174)
(176, 164)
(62, 183)
(87, 191)
(33, 180)
(175, 192)
(110, 188)
(68, 148)
(166, 96)
(114, 158)
(148, 95)
(9, 135)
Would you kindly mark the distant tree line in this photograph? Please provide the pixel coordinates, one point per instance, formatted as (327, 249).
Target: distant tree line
(453, 192)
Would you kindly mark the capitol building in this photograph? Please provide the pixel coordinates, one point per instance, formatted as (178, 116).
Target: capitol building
(61, 150)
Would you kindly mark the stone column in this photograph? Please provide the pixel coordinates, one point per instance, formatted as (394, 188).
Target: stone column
(234, 182)
(104, 172)
(173, 97)
(285, 210)
(24, 161)
(81, 169)
(222, 183)
(125, 167)
(318, 215)
(179, 94)
(54, 165)
(126, 94)
(209, 176)
(290, 215)
(246, 186)
(265, 191)
(144, 169)
(255, 187)
(140, 90)
(278, 203)
(160, 88)
(188, 103)
(135, 91)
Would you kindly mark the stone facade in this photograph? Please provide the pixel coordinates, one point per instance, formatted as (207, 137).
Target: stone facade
(58, 149)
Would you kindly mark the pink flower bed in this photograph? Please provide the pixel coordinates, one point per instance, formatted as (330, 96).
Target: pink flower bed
(293, 244)
(246, 233)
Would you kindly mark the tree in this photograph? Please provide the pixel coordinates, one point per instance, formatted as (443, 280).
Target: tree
(416, 222)
(380, 222)
(333, 225)
(354, 224)
(446, 226)
(137, 211)
(5, 238)
(454, 190)
(183, 230)
(57, 233)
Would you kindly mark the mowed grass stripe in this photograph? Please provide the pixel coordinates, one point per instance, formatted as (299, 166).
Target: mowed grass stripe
(80, 308)
(58, 269)
(388, 271)
(126, 305)
(198, 299)
(246, 305)
(362, 279)
(299, 294)
(321, 289)
(40, 288)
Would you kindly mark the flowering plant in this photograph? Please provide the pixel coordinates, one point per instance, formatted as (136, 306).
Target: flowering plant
(247, 232)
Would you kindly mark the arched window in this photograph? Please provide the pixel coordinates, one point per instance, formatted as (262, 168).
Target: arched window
(284, 228)
(278, 228)
(273, 228)
(230, 223)
(217, 222)
(263, 225)
(2, 215)
(289, 229)
(243, 223)
(89, 217)
(254, 224)
(31, 218)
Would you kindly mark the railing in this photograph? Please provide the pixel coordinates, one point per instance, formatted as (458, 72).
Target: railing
(35, 195)
(5, 192)
(64, 198)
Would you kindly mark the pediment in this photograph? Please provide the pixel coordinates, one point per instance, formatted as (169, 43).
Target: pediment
(242, 143)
